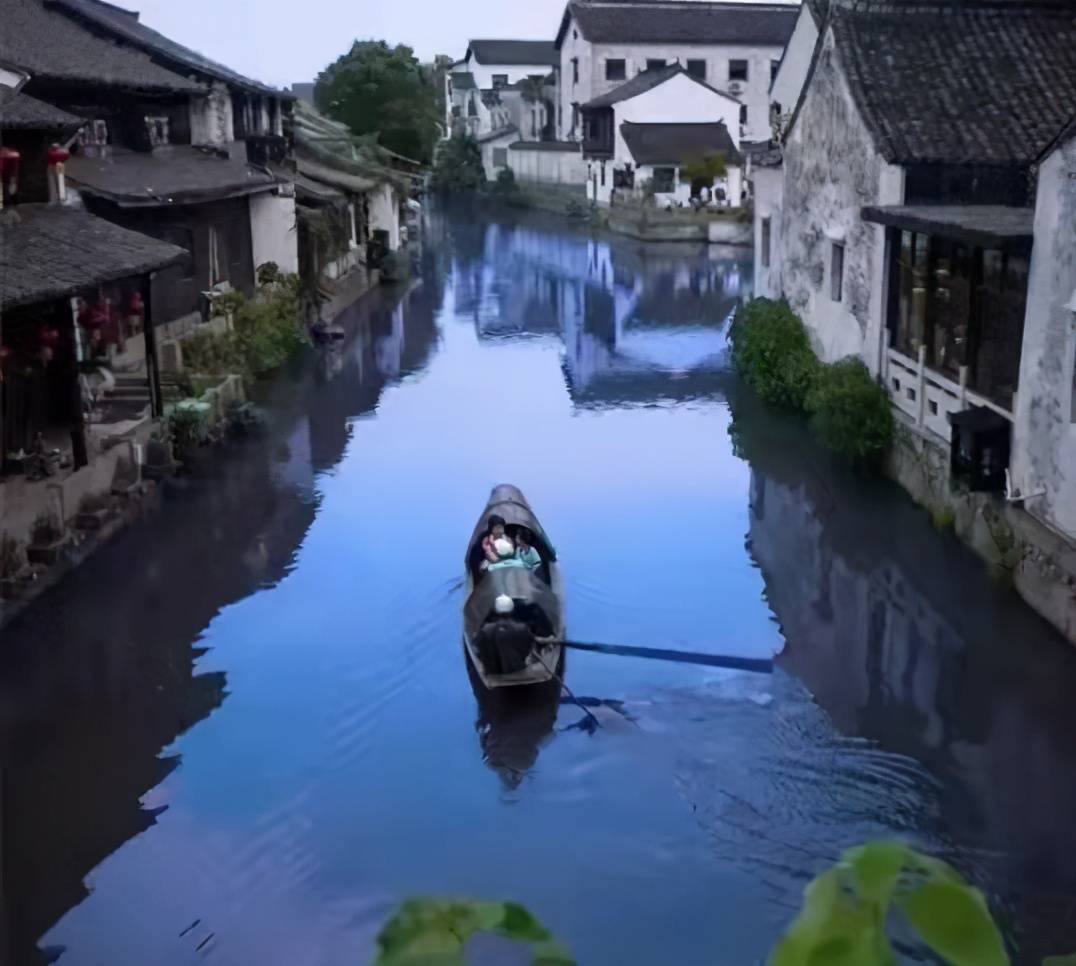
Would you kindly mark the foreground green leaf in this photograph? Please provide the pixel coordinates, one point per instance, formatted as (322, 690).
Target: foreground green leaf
(954, 920)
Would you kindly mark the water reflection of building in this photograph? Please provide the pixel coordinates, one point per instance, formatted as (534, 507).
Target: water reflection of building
(886, 623)
(93, 685)
(638, 322)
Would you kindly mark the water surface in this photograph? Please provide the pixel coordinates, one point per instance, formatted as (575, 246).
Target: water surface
(245, 731)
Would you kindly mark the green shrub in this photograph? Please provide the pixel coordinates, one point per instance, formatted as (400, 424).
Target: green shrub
(850, 412)
(772, 353)
(459, 165)
(265, 331)
(505, 184)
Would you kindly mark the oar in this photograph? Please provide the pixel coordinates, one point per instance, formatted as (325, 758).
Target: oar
(758, 665)
(568, 690)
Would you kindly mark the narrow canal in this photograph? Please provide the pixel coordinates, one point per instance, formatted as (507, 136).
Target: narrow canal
(243, 732)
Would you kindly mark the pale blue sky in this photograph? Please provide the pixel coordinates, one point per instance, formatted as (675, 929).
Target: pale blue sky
(280, 41)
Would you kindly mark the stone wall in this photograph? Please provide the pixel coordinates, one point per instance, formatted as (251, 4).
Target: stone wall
(831, 170)
(1041, 565)
(1044, 431)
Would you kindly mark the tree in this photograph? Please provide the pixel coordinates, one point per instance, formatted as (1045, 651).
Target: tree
(459, 165)
(383, 90)
(706, 169)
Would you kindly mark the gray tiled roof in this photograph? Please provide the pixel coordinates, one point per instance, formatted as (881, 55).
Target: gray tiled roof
(522, 52)
(49, 251)
(125, 24)
(675, 143)
(971, 83)
(28, 113)
(173, 175)
(691, 22)
(463, 81)
(573, 147)
(47, 44)
(978, 224)
(642, 82)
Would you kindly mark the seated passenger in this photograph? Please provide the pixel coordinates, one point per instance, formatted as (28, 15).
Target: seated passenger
(497, 546)
(525, 551)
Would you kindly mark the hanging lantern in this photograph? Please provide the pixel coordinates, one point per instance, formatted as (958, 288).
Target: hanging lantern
(48, 336)
(9, 169)
(96, 318)
(57, 154)
(136, 314)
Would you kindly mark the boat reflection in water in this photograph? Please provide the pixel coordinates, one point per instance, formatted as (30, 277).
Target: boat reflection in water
(514, 723)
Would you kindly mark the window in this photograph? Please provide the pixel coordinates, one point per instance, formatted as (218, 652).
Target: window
(697, 69)
(603, 174)
(775, 66)
(575, 70)
(765, 243)
(500, 157)
(743, 114)
(737, 70)
(616, 69)
(664, 180)
(836, 272)
(500, 81)
(653, 63)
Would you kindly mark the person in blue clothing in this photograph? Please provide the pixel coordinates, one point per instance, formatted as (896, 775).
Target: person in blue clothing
(526, 553)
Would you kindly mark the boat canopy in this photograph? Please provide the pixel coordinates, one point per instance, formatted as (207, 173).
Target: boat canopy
(509, 502)
(522, 585)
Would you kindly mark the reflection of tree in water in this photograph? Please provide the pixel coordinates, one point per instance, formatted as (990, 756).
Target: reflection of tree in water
(513, 724)
(902, 638)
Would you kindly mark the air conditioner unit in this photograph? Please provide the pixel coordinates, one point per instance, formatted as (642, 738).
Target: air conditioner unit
(735, 88)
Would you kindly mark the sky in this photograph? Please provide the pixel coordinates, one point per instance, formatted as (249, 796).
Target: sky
(282, 41)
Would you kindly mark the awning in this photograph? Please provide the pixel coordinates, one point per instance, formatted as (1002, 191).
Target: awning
(990, 226)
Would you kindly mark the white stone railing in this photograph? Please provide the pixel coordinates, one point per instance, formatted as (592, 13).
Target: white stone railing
(926, 396)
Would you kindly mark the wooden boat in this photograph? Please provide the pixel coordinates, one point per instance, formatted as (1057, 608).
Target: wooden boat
(520, 647)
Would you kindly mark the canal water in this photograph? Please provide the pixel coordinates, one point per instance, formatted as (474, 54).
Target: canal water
(245, 731)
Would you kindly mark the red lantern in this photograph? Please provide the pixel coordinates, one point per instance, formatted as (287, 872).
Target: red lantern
(9, 169)
(136, 314)
(48, 337)
(96, 319)
(57, 154)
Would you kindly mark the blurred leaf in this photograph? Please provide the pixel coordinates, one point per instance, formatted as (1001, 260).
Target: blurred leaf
(434, 932)
(1069, 960)
(954, 921)
(834, 928)
(518, 923)
(876, 868)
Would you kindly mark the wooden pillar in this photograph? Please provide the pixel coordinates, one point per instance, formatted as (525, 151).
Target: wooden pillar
(79, 453)
(153, 362)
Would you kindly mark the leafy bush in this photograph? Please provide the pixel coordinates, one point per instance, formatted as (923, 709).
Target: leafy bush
(459, 165)
(505, 183)
(850, 412)
(12, 557)
(265, 331)
(187, 426)
(772, 353)
(268, 273)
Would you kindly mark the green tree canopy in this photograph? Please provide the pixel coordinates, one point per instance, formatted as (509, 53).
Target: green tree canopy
(383, 90)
